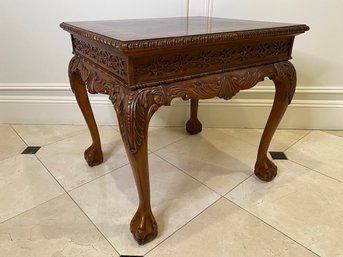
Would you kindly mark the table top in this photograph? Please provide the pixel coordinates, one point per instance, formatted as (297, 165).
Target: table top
(126, 33)
(139, 29)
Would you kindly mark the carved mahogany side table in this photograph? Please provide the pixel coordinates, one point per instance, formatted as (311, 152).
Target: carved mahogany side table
(144, 64)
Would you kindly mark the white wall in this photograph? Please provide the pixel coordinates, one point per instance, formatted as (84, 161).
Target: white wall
(34, 49)
(318, 55)
(34, 54)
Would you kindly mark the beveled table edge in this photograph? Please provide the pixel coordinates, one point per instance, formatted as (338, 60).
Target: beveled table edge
(184, 41)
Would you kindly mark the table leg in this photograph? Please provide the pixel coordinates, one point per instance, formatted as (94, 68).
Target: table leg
(285, 83)
(93, 154)
(193, 125)
(134, 110)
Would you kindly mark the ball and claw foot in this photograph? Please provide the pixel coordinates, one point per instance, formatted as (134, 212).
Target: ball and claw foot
(193, 127)
(265, 170)
(93, 156)
(143, 226)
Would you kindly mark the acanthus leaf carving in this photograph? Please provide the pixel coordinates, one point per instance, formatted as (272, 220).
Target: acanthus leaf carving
(94, 82)
(135, 107)
(285, 73)
(134, 110)
(224, 86)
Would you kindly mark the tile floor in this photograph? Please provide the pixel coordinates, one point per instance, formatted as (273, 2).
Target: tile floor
(204, 196)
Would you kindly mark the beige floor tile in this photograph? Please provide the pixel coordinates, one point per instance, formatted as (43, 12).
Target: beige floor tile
(319, 151)
(39, 135)
(24, 184)
(301, 203)
(65, 160)
(57, 228)
(10, 143)
(111, 201)
(161, 136)
(214, 158)
(282, 139)
(226, 230)
(335, 132)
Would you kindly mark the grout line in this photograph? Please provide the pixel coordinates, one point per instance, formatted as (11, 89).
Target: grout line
(256, 146)
(260, 137)
(77, 205)
(67, 191)
(298, 140)
(187, 174)
(306, 166)
(93, 223)
(239, 184)
(191, 175)
(30, 209)
(77, 134)
(269, 225)
(15, 131)
(11, 156)
(67, 137)
(62, 139)
(327, 131)
(50, 173)
(184, 225)
(98, 177)
(316, 171)
(177, 140)
(37, 156)
(59, 140)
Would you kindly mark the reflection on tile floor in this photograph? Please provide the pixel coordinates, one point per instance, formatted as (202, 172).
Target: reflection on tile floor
(111, 201)
(64, 159)
(204, 196)
(46, 134)
(321, 152)
(55, 228)
(225, 229)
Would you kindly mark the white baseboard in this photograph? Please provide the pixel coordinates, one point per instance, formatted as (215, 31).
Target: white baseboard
(44, 103)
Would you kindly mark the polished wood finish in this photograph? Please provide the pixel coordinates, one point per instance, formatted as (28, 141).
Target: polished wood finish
(144, 64)
(121, 32)
(193, 125)
(93, 154)
(285, 82)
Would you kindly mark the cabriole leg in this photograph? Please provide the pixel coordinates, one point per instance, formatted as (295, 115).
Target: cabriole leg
(134, 110)
(93, 154)
(193, 125)
(285, 83)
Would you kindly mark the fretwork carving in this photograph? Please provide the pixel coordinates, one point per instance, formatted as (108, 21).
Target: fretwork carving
(169, 65)
(112, 62)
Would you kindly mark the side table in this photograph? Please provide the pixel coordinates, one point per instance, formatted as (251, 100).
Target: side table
(144, 64)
